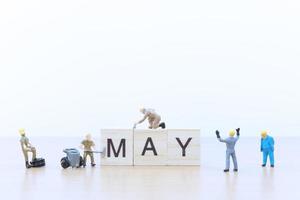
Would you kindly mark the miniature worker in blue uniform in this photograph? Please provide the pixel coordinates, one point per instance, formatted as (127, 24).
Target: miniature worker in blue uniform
(267, 147)
(230, 151)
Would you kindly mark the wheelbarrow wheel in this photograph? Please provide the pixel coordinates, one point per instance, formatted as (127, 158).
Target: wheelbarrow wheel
(81, 163)
(65, 162)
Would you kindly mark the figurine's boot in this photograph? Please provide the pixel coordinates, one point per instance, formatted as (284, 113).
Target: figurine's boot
(27, 165)
(235, 170)
(93, 164)
(263, 165)
(272, 166)
(226, 170)
(162, 125)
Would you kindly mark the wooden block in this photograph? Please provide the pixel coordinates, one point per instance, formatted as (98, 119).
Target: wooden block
(118, 144)
(150, 147)
(183, 147)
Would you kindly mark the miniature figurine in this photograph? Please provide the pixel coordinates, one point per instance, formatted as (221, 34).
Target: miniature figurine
(230, 151)
(267, 147)
(26, 147)
(153, 119)
(87, 145)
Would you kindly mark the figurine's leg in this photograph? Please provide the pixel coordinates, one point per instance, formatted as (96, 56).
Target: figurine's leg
(88, 154)
(84, 158)
(265, 156)
(271, 156)
(33, 150)
(227, 161)
(150, 123)
(162, 125)
(92, 159)
(155, 123)
(25, 152)
(234, 161)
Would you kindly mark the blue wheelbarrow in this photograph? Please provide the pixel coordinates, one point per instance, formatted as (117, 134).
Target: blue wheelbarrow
(73, 159)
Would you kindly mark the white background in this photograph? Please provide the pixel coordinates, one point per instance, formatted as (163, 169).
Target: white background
(72, 67)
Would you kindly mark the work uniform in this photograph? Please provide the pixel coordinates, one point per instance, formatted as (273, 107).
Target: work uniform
(26, 147)
(267, 147)
(230, 144)
(88, 144)
(153, 118)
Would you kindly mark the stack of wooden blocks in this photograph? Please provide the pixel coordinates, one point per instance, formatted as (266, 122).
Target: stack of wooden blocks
(151, 147)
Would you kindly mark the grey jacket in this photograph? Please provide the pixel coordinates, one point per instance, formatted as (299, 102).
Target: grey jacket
(230, 143)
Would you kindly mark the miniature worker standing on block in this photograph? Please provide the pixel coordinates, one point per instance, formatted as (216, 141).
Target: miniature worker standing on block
(153, 119)
(26, 148)
(267, 147)
(87, 145)
(230, 151)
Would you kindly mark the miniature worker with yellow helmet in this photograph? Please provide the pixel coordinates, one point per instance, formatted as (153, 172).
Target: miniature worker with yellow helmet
(87, 145)
(26, 148)
(267, 147)
(230, 151)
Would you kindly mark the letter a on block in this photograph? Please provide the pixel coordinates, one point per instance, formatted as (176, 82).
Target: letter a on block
(150, 147)
(183, 147)
(118, 146)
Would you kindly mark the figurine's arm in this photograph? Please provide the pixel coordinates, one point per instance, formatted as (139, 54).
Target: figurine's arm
(237, 133)
(272, 144)
(81, 145)
(29, 145)
(219, 137)
(222, 140)
(261, 141)
(22, 144)
(141, 121)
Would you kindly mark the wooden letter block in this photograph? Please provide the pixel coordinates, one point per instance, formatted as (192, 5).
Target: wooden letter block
(118, 144)
(183, 147)
(150, 147)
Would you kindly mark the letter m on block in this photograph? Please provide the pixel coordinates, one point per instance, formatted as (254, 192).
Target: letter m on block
(122, 146)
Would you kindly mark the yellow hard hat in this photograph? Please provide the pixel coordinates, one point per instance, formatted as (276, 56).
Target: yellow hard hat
(232, 133)
(22, 131)
(264, 133)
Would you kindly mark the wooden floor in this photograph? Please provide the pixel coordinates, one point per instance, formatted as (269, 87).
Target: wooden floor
(157, 182)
